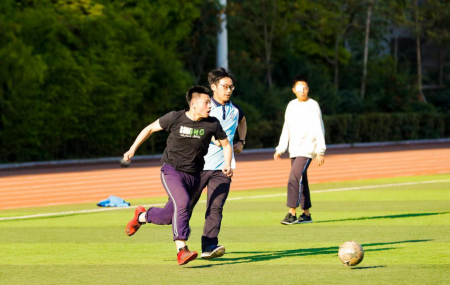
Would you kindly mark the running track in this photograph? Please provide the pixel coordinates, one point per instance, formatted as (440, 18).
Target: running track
(91, 183)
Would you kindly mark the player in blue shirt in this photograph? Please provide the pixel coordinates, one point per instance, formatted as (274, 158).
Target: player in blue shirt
(232, 119)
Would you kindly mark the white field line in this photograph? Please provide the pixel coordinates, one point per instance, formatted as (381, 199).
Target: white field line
(233, 198)
(244, 183)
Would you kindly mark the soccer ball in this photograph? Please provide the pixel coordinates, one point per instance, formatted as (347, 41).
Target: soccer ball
(351, 253)
(124, 163)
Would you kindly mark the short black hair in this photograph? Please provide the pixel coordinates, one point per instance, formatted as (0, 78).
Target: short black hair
(195, 92)
(299, 78)
(219, 73)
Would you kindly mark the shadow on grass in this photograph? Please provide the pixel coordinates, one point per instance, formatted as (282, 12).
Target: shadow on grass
(257, 256)
(386, 217)
(367, 267)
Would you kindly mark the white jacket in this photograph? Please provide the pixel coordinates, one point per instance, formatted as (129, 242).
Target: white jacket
(303, 130)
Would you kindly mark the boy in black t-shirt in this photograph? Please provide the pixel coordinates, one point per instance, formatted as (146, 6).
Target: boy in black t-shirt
(190, 134)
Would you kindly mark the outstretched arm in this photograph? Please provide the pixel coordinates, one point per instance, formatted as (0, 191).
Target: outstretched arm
(145, 134)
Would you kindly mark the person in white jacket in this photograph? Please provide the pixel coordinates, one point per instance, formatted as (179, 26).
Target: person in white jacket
(304, 133)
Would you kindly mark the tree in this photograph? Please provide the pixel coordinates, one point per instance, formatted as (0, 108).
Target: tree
(328, 24)
(417, 31)
(83, 7)
(366, 48)
(260, 26)
(79, 81)
(199, 46)
(437, 26)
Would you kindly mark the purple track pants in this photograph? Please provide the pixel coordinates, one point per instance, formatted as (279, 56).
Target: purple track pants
(181, 187)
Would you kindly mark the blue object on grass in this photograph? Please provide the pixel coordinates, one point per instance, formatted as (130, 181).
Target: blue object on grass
(113, 201)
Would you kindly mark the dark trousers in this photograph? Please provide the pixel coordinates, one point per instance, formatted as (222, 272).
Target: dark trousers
(181, 187)
(218, 188)
(298, 188)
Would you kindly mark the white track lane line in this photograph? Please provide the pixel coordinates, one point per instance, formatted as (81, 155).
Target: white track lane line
(229, 199)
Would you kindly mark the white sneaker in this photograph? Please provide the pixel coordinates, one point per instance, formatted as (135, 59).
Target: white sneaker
(213, 251)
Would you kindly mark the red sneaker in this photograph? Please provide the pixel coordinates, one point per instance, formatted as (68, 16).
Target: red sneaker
(134, 225)
(184, 256)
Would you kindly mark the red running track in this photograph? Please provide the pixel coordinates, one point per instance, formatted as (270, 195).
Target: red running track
(75, 184)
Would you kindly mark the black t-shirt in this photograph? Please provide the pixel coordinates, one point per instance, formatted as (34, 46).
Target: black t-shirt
(189, 140)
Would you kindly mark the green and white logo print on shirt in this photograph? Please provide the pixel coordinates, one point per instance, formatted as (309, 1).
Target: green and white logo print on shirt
(191, 132)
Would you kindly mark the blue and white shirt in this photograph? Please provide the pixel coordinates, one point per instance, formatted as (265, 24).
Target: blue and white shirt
(229, 115)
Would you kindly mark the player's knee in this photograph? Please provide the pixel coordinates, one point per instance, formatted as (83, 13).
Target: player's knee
(184, 210)
(214, 210)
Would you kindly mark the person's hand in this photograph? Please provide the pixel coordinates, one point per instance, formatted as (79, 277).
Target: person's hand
(228, 171)
(128, 155)
(277, 156)
(238, 147)
(320, 160)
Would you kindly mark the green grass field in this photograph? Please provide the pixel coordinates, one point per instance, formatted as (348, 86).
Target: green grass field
(404, 229)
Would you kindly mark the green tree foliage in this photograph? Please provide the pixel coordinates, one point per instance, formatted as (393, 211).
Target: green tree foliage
(86, 8)
(199, 48)
(81, 78)
(325, 41)
(381, 127)
(22, 110)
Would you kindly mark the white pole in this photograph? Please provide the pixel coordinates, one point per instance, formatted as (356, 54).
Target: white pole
(222, 39)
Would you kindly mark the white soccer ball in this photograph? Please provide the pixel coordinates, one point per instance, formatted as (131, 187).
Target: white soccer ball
(351, 253)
